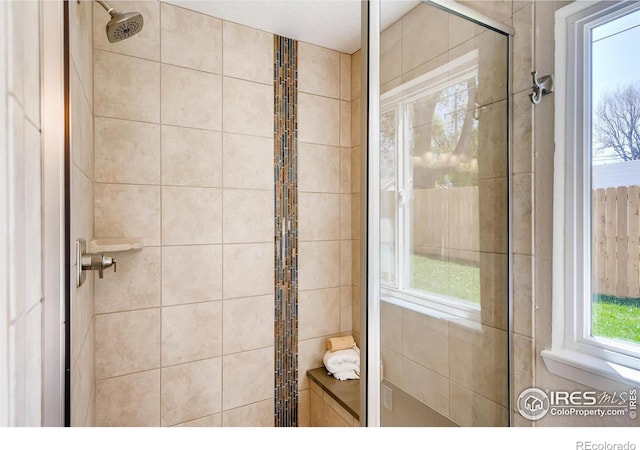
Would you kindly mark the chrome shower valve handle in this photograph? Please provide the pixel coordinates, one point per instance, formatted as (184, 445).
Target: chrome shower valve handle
(91, 261)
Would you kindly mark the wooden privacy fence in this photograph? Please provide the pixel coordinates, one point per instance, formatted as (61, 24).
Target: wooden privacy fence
(445, 222)
(616, 241)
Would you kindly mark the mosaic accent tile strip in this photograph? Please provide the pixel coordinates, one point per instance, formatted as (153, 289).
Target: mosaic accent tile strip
(285, 127)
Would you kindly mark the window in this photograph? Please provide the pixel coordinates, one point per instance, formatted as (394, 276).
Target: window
(429, 189)
(597, 194)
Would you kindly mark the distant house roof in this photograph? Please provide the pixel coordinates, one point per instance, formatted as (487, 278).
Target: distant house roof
(625, 173)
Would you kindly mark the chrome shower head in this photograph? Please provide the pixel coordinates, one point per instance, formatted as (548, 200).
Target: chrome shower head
(122, 25)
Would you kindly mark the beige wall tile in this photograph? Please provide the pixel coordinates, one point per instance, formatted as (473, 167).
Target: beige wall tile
(522, 214)
(391, 326)
(318, 168)
(191, 157)
(336, 407)
(523, 366)
(191, 98)
(355, 122)
(318, 313)
(242, 259)
(247, 216)
(127, 211)
(214, 420)
(469, 409)
(126, 87)
(80, 46)
(248, 53)
(417, 330)
(492, 141)
(82, 314)
(310, 353)
(494, 294)
(145, 44)
(81, 128)
(345, 76)
(497, 9)
(346, 321)
(345, 216)
(190, 391)
(127, 342)
(191, 39)
(319, 265)
(247, 323)
(355, 308)
(248, 162)
(493, 215)
(333, 418)
(248, 108)
(315, 387)
(136, 285)
(191, 274)
(140, 392)
(426, 386)
(424, 35)
(523, 48)
(391, 52)
(318, 120)
(392, 362)
(304, 415)
(191, 215)
(191, 332)
(355, 262)
(318, 217)
(522, 133)
(355, 169)
(82, 373)
(81, 210)
(355, 75)
(345, 124)
(248, 377)
(345, 170)
(461, 30)
(316, 410)
(346, 265)
(492, 67)
(318, 70)
(479, 359)
(127, 151)
(258, 414)
(523, 312)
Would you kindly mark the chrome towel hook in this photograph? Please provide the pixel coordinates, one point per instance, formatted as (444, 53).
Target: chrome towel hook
(541, 86)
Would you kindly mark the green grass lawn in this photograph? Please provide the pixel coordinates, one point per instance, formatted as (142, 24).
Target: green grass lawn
(613, 317)
(616, 317)
(446, 278)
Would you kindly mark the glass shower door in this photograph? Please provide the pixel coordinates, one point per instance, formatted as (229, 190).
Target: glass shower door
(440, 270)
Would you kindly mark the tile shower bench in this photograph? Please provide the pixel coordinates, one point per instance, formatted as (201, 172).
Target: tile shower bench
(333, 403)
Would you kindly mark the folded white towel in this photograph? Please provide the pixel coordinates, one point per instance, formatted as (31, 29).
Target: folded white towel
(346, 375)
(343, 364)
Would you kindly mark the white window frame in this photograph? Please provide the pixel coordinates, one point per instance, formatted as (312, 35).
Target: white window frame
(397, 99)
(602, 363)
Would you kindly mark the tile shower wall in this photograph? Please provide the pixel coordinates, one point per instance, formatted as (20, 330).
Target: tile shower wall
(324, 249)
(184, 159)
(82, 190)
(21, 205)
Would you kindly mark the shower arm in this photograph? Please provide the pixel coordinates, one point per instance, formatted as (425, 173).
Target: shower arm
(108, 8)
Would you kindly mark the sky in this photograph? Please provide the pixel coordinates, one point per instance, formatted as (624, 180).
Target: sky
(616, 54)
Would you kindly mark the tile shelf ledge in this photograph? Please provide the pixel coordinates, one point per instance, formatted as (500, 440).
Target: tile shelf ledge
(112, 245)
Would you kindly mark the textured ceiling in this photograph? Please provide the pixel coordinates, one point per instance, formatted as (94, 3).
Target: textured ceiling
(333, 24)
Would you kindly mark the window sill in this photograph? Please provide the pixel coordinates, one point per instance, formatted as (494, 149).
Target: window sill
(590, 371)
